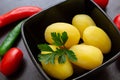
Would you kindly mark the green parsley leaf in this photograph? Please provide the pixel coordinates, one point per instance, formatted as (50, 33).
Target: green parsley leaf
(47, 58)
(61, 59)
(52, 60)
(45, 47)
(64, 37)
(59, 40)
(56, 38)
(44, 58)
(71, 55)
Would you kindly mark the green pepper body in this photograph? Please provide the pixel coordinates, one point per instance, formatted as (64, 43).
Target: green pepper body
(10, 39)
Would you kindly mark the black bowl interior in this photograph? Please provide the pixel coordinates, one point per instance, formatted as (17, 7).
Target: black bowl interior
(33, 30)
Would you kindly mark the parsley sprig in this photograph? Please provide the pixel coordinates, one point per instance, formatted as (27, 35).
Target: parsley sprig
(61, 52)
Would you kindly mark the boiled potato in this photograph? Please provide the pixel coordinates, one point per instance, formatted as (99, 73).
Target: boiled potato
(81, 21)
(60, 27)
(88, 57)
(97, 37)
(58, 71)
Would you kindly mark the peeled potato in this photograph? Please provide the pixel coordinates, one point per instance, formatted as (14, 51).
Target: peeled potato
(97, 37)
(81, 21)
(60, 27)
(58, 71)
(88, 57)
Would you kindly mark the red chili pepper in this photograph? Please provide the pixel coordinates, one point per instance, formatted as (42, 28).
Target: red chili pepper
(117, 21)
(11, 61)
(17, 14)
(102, 3)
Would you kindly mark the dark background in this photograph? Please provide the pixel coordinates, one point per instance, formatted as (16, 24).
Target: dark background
(28, 70)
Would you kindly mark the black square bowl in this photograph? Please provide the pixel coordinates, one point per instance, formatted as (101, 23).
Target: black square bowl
(33, 30)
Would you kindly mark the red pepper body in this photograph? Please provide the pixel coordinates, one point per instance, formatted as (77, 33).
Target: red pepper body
(117, 21)
(18, 14)
(102, 3)
(11, 61)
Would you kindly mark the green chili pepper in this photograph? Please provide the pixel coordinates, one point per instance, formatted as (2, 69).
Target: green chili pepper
(10, 39)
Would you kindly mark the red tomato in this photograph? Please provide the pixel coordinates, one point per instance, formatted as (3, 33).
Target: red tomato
(117, 21)
(11, 61)
(102, 3)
